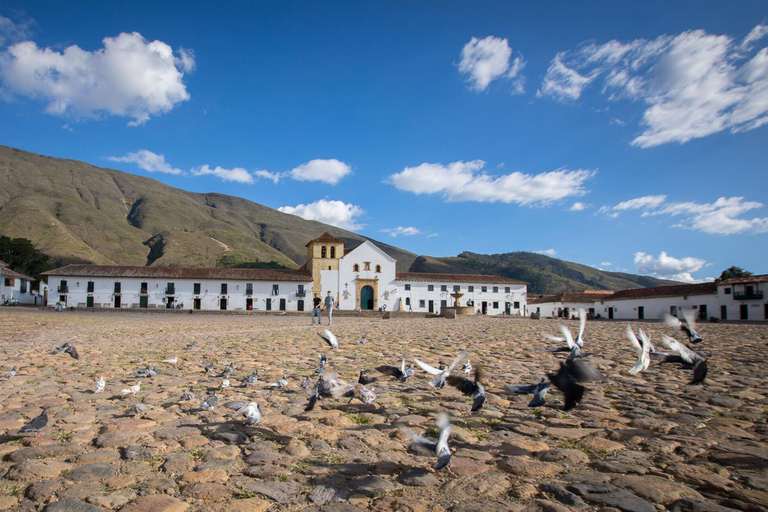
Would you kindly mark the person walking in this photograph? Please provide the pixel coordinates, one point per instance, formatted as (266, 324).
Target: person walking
(329, 303)
(316, 309)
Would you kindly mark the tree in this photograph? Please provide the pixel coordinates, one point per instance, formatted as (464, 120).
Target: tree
(22, 256)
(734, 272)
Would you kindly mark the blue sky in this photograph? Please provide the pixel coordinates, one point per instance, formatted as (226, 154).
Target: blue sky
(623, 136)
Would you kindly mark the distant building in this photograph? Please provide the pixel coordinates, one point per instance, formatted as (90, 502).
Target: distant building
(14, 285)
(362, 278)
(566, 304)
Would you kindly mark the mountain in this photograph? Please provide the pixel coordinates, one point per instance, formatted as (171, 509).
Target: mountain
(77, 213)
(542, 273)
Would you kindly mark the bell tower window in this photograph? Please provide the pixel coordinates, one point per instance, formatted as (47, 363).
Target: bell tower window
(323, 252)
(333, 252)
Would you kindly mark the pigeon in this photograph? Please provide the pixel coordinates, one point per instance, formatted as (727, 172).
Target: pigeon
(642, 344)
(72, 351)
(315, 395)
(59, 350)
(440, 447)
(574, 345)
(688, 326)
(252, 379)
(330, 338)
(362, 379)
(363, 340)
(568, 380)
(322, 359)
(190, 346)
(281, 383)
(188, 395)
(467, 368)
(100, 384)
(224, 384)
(471, 388)
(227, 371)
(10, 373)
(327, 385)
(35, 425)
(539, 391)
(401, 373)
(685, 356)
(172, 360)
(209, 367)
(252, 413)
(140, 408)
(359, 391)
(144, 373)
(132, 390)
(443, 372)
(306, 383)
(211, 402)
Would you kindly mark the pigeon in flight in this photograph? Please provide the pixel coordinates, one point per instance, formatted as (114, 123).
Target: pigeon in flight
(132, 390)
(685, 356)
(471, 388)
(574, 345)
(252, 413)
(539, 392)
(401, 373)
(252, 379)
(359, 391)
(322, 359)
(442, 373)
(72, 351)
(569, 378)
(642, 343)
(211, 402)
(467, 368)
(440, 447)
(365, 380)
(330, 338)
(100, 384)
(688, 326)
(59, 350)
(10, 373)
(35, 425)
(327, 385)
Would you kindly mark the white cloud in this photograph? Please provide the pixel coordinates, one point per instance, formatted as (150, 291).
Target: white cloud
(485, 60)
(693, 84)
(147, 160)
(238, 174)
(129, 77)
(335, 213)
(11, 32)
(669, 267)
(547, 252)
(273, 176)
(578, 207)
(605, 263)
(328, 171)
(723, 217)
(465, 181)
(400, 230)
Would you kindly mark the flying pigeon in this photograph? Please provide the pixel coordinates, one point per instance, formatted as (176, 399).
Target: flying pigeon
(72, 351)
(330, 338)
(467, 368)
(442, 373)
(688, 326)
(539, 391)
(401, 373)
(686, 356)
(362, 379)
(574, 345)
(35, 425)
(211, 402)
(132, 390)
(188, 395)
(322, 359)
(252, 413)
(440, 447)
(10, 373)
(327, 385)
(252, 379)
(59, 350)
(642, 344)
(359, 391)
(471, 388)
(569, 378)
(100, 384)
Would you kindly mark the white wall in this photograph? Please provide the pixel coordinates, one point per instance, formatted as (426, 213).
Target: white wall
(756, 308)
(420, 292)
(14, 291)
(347, 278)
(546, 309)
(655, 308)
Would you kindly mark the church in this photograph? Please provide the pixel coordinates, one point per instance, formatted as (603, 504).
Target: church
(361, 278)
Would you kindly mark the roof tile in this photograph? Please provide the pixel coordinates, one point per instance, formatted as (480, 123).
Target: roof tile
(241, 274)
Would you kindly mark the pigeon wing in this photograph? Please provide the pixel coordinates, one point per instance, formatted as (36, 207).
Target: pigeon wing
(688, 355)
(427, 368)
(582, 371)
(456, 362)
(568, 336)
(582, 324)
(463, 384)
(390, 370)
(633, 339)
(699, 371)
(235, 404)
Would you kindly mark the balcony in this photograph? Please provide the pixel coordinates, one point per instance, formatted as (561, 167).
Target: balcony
(758, 295)
(301, 294)
(248, 292)
(63, 289)
(170, 291)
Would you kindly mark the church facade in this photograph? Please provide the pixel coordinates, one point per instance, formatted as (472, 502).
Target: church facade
(361, 278)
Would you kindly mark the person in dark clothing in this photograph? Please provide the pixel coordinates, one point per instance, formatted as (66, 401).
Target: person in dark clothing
(316, 309)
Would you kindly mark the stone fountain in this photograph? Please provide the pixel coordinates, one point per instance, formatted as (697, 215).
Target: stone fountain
(456, 309)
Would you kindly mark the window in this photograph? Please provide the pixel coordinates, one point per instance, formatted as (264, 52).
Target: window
(249, 288)
(443, 303)
(727, 291)
(63, 288)
(430, 287)
(407, 287)
(323, 252)
(301, 289)
(356, 267)
(422, 303)
(23, 287)
(495, 305)
(407, 301)
(484, 289)
(443, 287)
(275, 289)
(378, 268)
(517, 306)
(196, 288)
(470, 289)
(673, 310)
(495, 289)
(143, 288)
(223, 288)
(9, 281)
(333, 251)
(117, 287)
(90, 287)
(507, 289)
(170, 289)
(366, 265)
(457, 288)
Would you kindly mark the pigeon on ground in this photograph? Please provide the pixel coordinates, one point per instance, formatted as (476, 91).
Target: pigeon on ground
(364, 380)
(224, 384)
(190, 346)
(401, 373)
(281, 383)
(315, 395)
(252, 413)
(209, 367)
(10, 373)
(467, 368)
(140, 408)
(306, 383)
(100, 384)
(688, 326)
(132, 390)
(569, 378)
(172, 360)
(359, 391)
(211, 402)
(35, 425)
(539, 391)
(642, 344)
(330, 338)
(685, 356)
(440, 447)
(188, 395)
(363, 340)
(252, 379)
(471, 388)
(322, 360)
(327, 385)
(228, 370)
(72, 351)
(443, 372)
(145, 373)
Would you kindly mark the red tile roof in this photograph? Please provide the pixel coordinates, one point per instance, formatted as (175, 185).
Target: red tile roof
(7, 272)
(3, 264)
(240, 274)
(762, 278)
(325, 237)
(454, 278)
(590, 296)
(665, 291)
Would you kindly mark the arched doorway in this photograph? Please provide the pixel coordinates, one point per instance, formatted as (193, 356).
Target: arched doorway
(366, 297)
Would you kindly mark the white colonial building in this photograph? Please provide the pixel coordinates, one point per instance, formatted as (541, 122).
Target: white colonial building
(362, 278)
(566, 304)
(14, 285)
